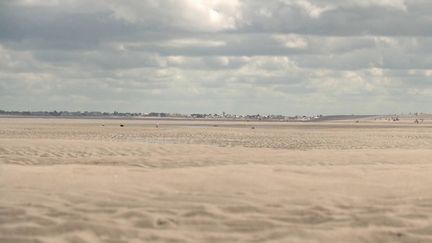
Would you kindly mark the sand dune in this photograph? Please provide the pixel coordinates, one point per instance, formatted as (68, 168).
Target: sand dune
(76, 181)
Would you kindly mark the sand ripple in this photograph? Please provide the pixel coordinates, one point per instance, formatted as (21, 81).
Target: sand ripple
(77, 182)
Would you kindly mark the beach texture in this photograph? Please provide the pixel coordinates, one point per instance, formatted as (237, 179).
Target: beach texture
(88, 180)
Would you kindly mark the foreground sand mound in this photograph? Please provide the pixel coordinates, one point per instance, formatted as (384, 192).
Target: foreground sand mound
(78, 182)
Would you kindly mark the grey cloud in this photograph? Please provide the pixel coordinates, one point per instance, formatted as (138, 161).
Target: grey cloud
(212, 56)
(341, 19)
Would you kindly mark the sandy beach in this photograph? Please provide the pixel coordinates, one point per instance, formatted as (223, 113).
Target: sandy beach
(89, 180)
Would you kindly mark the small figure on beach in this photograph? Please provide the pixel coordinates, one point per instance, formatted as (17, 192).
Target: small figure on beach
(121, 125)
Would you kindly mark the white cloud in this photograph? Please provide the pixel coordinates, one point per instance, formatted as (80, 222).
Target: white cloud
(209, 56)
(314, 11)
(192, 42)
(187, 15)
(292, 41)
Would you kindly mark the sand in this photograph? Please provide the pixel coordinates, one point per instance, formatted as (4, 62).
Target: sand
(72, 180)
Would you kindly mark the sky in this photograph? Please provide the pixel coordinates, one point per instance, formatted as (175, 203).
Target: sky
(290, 57)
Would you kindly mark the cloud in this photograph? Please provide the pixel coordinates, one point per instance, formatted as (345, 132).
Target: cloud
(291, 41)
(279, 56)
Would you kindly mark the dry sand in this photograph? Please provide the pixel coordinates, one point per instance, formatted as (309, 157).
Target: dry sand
(65, 180)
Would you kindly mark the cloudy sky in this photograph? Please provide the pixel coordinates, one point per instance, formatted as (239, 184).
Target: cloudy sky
(238, 56)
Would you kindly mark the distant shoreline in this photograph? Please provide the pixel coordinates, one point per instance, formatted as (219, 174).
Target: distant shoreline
(149, 118)
(320, 119)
